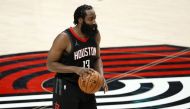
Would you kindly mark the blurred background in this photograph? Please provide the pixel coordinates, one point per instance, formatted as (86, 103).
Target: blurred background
(32, 25)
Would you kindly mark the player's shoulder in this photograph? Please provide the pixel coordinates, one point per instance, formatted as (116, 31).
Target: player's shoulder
(62, 36)
(98, 37)
(61, 39)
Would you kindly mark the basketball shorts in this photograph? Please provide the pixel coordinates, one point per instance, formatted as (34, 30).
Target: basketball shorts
(67, 95)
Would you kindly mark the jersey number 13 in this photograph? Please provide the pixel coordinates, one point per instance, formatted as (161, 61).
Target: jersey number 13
(86, 64)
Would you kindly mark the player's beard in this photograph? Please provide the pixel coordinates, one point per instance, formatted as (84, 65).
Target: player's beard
(89, 30)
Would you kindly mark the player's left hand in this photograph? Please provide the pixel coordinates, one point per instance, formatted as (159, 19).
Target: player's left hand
(105, 86)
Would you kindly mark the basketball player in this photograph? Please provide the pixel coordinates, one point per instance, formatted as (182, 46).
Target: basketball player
(75, 52)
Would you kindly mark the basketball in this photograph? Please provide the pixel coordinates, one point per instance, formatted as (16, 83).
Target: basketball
(91, 83)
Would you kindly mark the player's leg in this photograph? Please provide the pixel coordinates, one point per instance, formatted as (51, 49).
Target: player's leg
(64, 96)
(88, 102)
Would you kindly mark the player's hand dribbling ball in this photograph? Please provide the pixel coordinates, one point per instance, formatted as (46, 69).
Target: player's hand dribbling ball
(91, 83)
